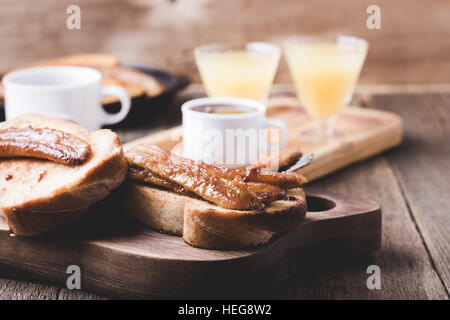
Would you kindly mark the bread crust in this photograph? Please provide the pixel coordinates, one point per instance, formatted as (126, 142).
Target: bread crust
(67, 202)
(206, 225)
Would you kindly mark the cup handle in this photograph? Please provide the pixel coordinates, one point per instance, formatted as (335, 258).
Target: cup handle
(125, 103)
(270, 122)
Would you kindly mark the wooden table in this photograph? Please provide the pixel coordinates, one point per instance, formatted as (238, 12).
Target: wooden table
(411, 183)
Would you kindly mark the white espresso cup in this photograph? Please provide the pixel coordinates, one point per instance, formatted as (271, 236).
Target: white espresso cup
(65, 92)
(228, 139)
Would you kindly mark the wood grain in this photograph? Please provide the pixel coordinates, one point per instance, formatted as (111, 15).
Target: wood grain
(66, 294)
(406, 269)
(162, 33)
(422, 166)
(24, 290)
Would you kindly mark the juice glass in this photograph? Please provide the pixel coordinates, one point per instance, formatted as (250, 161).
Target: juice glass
(325, 71)
(238, 70)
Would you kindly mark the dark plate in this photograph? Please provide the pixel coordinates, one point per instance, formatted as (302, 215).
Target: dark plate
(143, 106)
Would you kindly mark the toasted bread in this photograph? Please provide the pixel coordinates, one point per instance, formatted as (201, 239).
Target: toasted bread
(37, 196)
(135, 82)
(206, 225)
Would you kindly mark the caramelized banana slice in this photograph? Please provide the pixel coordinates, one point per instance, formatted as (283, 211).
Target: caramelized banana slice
(285, 180)
(230, 194)
(265, 193)
(142, 175)
(44, 143)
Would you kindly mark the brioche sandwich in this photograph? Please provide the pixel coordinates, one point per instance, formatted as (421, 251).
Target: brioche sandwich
(135, 82)
(51, 171)
(209, 206)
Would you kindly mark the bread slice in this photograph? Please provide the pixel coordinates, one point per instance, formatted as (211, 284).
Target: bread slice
(37, 196)
(134, 81)
(203, 224)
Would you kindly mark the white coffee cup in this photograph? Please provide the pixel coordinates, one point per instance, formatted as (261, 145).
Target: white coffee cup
(66, 92)
(228, 139)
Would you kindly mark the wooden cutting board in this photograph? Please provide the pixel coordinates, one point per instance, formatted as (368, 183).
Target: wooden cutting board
(125, 259)
(366, 132)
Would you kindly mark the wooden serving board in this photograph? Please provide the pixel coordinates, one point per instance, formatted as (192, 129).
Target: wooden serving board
(366, 132)
(122, 258)
(125, 259)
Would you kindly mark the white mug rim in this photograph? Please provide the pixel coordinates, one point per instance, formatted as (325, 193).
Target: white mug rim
(10, 79)
(259, 106)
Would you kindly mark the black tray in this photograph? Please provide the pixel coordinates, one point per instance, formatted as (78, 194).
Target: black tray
(143, 106)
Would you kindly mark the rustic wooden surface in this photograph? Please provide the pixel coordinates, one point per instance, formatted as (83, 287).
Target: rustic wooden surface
(411, 184)
(410, 47)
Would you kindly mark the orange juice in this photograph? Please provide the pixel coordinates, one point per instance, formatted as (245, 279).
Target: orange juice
(325, 74)
(244, 73)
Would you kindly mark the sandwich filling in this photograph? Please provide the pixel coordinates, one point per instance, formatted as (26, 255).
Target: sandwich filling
(238, 189)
